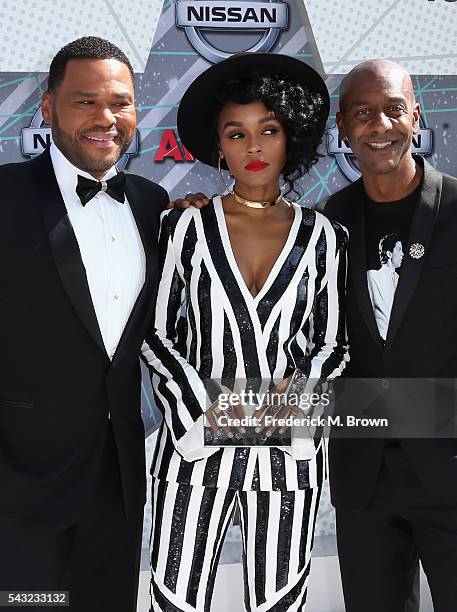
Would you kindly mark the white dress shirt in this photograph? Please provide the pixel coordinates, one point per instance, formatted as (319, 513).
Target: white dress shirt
(111, 249)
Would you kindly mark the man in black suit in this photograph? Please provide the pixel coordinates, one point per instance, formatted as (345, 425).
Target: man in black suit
(78, 275)
(396, 498)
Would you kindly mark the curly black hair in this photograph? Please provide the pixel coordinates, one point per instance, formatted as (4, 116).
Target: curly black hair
(88, 47)
(297, 107)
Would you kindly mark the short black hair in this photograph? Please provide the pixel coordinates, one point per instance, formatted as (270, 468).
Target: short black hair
(88, 47)
(297, 107)
(387, 245)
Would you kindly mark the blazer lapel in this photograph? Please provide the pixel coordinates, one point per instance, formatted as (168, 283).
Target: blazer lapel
(420, 233)
(142, 310)
(357, 256)
(64, 246)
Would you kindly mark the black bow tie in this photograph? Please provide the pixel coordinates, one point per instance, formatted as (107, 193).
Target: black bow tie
(114, 187)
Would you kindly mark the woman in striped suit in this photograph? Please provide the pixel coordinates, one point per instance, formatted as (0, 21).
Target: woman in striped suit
(251, 289)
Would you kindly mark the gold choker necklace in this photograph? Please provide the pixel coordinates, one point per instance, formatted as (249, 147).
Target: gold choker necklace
(244, 201)
(253, 203)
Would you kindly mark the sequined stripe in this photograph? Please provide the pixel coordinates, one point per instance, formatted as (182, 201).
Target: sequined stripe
(185, 472)
(159, 501)
(178, 523)
(272, 347)
(278, 469)
(189, 534)
(176, 296)
(229, 367)
(191, 354)
(302, 467)
(284, 538)
(238, 471)
(305, 522)
(205, 346)
(198, 552)
(282, 280)
(261, 530)
(225, 517)
(212, 467)
(168, 450)
(232, 291)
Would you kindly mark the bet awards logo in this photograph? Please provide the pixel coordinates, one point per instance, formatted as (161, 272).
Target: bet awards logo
(422, 145)
(196, 16)
(37, 137)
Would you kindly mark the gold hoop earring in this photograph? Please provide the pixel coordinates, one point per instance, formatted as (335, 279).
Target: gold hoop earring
(227, 188)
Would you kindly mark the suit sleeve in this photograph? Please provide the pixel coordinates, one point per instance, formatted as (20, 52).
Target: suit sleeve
(328, 342)
(328, 346)
(179, 392)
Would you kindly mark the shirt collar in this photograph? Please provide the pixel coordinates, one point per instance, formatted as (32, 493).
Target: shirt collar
(67, 175)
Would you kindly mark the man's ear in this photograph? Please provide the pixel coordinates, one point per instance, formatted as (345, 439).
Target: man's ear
(416, 117)
(46, 107)
(340, 124)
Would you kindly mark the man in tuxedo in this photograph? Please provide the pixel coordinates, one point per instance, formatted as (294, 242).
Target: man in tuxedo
(78, 276)
(396, 498)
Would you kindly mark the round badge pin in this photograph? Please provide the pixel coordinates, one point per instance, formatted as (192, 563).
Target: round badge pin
(416, 250)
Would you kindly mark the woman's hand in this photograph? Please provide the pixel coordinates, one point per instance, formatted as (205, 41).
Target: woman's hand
(220, 414)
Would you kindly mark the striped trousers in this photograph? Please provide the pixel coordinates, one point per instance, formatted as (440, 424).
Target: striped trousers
(189, 526)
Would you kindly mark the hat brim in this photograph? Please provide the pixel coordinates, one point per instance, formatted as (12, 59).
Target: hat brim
(199, 103)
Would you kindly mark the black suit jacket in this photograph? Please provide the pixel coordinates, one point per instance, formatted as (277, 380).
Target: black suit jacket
(421, 340)
(57, 384)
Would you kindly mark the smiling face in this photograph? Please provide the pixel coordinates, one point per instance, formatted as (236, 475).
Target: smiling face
(379, 116)
(253, 143)
(92, 113)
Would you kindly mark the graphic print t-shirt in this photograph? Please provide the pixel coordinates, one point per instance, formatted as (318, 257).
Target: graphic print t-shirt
(387, 230)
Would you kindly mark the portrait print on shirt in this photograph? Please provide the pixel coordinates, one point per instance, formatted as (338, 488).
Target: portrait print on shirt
(382, 283)
(387, 228)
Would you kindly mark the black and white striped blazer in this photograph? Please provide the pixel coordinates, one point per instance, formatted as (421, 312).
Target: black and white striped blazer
(209, 326)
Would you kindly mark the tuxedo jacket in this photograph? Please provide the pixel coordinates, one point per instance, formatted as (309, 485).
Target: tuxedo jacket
(421, 342)
(57, 384)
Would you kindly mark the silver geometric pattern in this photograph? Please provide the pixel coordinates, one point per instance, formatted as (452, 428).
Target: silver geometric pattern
(416, 250)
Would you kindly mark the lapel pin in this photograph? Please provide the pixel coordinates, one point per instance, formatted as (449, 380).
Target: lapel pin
(416, 250)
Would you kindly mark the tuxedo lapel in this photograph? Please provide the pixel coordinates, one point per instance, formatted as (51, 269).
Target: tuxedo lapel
(64, 245)
(357, 256)
(142, 309)
(420, 234)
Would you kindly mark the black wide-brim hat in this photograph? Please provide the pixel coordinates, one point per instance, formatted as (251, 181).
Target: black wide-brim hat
(198, 106)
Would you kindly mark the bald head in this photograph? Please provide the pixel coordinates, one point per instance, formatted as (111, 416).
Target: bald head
(381, 73)
(378, 117)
